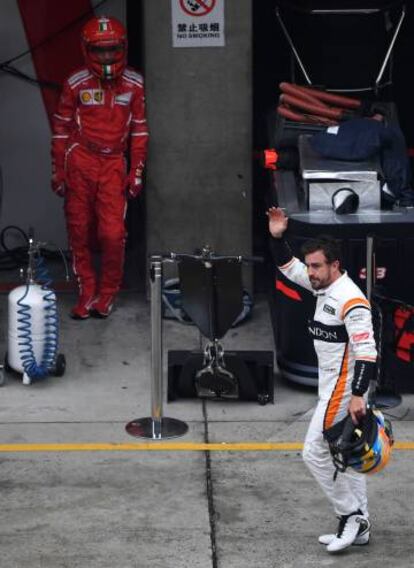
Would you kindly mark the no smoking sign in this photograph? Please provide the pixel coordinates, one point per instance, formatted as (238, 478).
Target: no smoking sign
(198, 23)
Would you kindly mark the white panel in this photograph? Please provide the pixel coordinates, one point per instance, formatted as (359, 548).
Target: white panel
(320, 193)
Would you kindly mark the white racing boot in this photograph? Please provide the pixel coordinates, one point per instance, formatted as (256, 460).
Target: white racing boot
(351, 527)
(361, 539)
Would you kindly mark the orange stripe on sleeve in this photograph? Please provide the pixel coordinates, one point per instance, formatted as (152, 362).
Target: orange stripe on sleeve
(354, 302)
(338, 392)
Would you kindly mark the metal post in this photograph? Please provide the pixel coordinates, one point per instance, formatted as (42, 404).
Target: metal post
(156, 346)
(370, 266)
(156, 427)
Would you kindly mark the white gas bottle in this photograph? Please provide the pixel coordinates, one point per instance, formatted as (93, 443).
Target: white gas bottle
(27, 325)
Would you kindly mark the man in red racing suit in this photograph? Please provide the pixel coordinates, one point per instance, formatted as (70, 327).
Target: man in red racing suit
(344, 342)
(100, 112)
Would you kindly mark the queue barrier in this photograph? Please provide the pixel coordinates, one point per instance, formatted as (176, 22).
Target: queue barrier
(156, 426)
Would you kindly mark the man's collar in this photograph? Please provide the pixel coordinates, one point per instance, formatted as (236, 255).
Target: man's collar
(328, 289)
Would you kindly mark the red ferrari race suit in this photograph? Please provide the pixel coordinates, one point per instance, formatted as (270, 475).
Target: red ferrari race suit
(344, 341)
(92, 127)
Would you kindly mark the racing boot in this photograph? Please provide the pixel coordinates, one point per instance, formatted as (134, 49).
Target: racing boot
(362, 537)
(82, 310)
(102, 305)
(348, 530)
(87, 293)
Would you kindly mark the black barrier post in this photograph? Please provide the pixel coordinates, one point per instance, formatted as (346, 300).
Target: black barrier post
(157, 426)
(370, 279)
(375, 396)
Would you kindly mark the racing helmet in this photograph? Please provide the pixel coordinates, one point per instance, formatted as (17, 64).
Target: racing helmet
(104, 46)
(365, 447)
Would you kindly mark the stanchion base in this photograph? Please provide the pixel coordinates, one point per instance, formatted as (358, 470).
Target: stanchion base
(148, 428)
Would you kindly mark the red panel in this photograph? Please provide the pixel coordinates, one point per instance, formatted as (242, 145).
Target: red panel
(289, 292)
(53, 33)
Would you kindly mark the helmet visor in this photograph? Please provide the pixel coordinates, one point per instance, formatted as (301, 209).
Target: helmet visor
(106, 54)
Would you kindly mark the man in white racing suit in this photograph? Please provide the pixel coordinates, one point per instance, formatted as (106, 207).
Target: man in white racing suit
(345, 346)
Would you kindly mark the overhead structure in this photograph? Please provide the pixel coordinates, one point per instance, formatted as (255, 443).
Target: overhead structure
(384, 18)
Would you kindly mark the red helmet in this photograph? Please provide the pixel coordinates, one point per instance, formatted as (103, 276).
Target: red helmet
(104, 45)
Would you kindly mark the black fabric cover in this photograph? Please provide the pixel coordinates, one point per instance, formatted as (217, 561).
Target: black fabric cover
(212, 293)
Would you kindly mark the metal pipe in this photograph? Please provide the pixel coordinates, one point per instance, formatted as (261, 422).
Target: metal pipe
(388, 54)
(370, 266)
(292, 46)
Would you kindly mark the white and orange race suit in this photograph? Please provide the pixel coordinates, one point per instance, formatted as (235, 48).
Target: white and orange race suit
(343, 334)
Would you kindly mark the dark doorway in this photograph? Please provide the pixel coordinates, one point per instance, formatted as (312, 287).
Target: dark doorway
(135, 257)
(270, 67)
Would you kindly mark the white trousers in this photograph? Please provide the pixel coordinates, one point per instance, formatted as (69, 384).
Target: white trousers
(348, 492)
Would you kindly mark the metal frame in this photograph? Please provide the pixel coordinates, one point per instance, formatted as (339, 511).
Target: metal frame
(346, 12)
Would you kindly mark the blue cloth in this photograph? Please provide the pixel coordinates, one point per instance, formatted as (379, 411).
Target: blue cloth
(364, 138)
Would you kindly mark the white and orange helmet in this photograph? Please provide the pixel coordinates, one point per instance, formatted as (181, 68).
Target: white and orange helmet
(366, 447)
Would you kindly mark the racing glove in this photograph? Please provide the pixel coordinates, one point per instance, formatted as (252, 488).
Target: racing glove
(134, 182)
(58, 180)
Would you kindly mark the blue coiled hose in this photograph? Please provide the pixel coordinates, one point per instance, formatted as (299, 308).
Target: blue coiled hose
(51, 340)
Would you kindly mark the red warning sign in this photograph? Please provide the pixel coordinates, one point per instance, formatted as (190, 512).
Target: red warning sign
(197, 7)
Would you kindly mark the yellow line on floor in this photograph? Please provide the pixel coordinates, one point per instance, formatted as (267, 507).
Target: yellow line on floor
(169, 446)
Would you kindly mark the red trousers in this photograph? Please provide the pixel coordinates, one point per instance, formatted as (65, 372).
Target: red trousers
(95, 207)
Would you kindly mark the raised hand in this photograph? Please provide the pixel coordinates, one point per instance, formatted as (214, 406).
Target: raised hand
(278, 221)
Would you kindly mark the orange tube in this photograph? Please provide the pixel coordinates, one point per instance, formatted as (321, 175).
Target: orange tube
(340, 100)
(295, 90)
(332, 113)
(290, 114)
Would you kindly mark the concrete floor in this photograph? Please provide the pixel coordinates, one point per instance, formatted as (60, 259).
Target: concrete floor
(137, 504)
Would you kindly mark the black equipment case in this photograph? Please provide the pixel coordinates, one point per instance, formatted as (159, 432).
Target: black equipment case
(212, 296)
(253, 369)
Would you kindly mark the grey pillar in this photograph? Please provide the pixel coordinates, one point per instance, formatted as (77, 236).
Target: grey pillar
(199, 104)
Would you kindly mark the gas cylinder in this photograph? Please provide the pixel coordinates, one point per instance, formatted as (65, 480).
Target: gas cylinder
(29, 325)
(33, 334)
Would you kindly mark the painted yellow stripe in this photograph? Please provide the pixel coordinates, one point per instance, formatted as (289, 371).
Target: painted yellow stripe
(169, 446)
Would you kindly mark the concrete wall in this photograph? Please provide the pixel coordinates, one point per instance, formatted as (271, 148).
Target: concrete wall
(199, 103)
